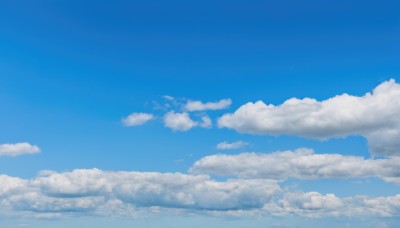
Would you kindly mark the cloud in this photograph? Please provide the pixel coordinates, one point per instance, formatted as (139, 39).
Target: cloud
(231, 146)
(136, 119)
(192, 106)
(97, 192)
(167, 97)
(374, 116)
(17, 149)
(301, 164)
(206, 122)
(93, 192)
(314, 204)
(179, 121)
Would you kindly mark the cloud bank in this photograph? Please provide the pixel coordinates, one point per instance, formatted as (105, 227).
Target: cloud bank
(90, 191)
(93, 192)
(18, 149)
(374, 116)
(300, 164)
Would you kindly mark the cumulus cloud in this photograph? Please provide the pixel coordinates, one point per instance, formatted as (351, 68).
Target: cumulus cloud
(314, 204)
(192, 106)
(301, 164)
(179, 121)
(17, 149)
(91, 191)
(374, 116)
(231, 146)
(136, 119)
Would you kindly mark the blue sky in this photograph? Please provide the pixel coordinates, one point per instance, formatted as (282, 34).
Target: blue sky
(72, 71)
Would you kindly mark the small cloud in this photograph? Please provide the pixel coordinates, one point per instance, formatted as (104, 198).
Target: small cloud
(179, 121)
(206, 122)
(192, 106)
(230, 146)
(17, 149)
(170, 98)
(136, 119)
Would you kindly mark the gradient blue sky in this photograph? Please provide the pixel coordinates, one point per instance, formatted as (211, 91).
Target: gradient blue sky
(71, 70)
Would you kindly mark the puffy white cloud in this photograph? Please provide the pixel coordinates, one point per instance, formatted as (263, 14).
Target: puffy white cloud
(314, 204)
(301, 163)
(179, 121)
(17, 149)
(191, 106)
(89, 192)
(231, 146)
(136, 119)
(374, 116)
(93, 191)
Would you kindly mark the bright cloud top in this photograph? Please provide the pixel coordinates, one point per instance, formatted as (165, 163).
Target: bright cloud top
(136, 119)
(192, 106)
(17, 149)
(231, 146)
(301, 164)
(183, 122)
(374, 116)
(93, 192)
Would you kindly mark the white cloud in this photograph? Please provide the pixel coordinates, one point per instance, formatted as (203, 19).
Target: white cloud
(231, 146)
(179, 121)
(206, 122)
(94, 192)
(167, 97)
(314, 204)
(17, 149)
(374, 116)
(192, 106)
(301, 164)
(137, 118)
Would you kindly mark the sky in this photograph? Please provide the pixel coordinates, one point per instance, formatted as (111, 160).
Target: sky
(197, 113)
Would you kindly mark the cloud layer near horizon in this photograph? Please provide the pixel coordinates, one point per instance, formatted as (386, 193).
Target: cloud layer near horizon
(374, 116)
(93, 192)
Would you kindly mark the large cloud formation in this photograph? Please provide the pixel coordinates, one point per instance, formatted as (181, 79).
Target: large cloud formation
(301, 164)
(374, 116)
(90, 191)
(93, 192)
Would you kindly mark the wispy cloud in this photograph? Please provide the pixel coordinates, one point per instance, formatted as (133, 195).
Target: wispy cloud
(136, 119)
(231, 146)
(17, 149)
(192, 106)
